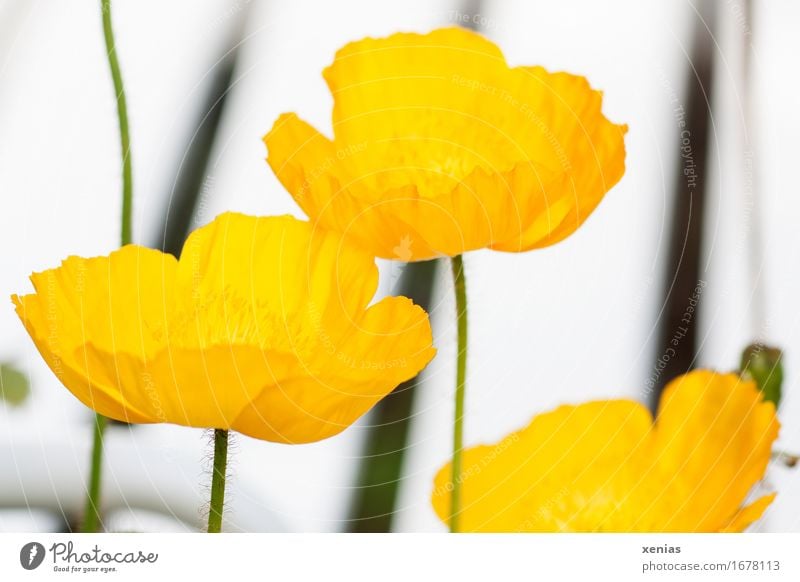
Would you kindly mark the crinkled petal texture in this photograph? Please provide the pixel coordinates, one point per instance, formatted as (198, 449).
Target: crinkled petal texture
(605, 466)
(263, 326)
(440, 147)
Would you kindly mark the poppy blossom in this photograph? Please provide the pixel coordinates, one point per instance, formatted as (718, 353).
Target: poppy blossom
(606, 466)
(263, 326)
(440, 147)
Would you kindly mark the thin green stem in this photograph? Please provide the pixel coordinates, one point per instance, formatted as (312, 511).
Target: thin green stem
(91, 520)
(124, 134)
(92, 517)
(460, 286)
(218, 480)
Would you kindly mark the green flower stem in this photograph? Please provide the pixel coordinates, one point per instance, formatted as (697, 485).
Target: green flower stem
(460, 286)
(218, 480)
(92, 517)
(124, 134)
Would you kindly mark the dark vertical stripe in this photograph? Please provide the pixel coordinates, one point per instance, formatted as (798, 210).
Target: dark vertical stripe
(194, 170)
(380, 471)
(684, 283)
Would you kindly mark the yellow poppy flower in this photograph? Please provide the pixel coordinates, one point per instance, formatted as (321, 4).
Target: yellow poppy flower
(440, 147)
(262, 327)
(605, 466)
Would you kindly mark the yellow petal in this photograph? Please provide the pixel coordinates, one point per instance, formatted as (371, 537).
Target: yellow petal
(573, 139)
(303, 160)
(267, 281)
(108, 304)
(263, 326)
(565, 471)
(439, 142)
(749, 514)
(388, 345)
(714, 439)
(604, 466)
(400, 104)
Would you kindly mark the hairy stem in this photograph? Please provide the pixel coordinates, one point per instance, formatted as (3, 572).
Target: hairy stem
(218, 481)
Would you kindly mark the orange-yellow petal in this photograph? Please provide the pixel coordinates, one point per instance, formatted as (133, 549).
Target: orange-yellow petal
(565, 471)
(714, 438)
(105, 305)
(604, 466)
(390, 343)
(263, 326)
(749, 514)
(439, 142)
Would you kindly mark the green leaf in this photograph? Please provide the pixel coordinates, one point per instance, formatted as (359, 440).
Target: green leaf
(14, 385)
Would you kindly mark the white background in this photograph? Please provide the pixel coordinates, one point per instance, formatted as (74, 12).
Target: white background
(565, 324)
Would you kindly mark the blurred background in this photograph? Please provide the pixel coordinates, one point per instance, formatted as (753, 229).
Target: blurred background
(585, 319)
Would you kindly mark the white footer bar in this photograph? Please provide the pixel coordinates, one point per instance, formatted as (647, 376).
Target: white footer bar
(401, 557)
